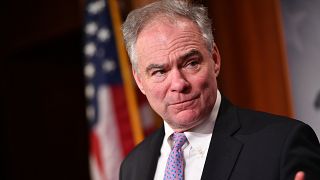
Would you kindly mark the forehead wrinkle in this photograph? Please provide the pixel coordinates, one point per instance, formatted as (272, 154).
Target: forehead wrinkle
(171, 53)
(187, 37)
(182, 52)
(190, 53)
(168, 47)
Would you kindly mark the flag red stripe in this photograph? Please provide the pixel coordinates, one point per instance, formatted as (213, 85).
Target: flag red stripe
(96, 151)
(123, 118)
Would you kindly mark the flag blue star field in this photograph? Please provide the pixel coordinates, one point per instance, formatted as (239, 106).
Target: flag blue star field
(107, 112)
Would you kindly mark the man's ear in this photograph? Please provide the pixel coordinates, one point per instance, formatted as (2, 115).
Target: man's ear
(216, 58)
(138, 80)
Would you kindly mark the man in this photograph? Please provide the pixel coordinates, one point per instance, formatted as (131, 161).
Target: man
(175, 63)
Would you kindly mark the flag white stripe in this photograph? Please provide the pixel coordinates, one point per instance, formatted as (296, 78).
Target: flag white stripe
(108, 134)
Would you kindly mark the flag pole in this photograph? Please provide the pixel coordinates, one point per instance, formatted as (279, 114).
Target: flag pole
(126, 73)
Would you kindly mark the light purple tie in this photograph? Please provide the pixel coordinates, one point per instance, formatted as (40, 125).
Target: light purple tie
(175, 163)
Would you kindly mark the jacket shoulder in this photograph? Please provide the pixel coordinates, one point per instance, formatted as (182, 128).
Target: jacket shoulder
(141, 161)
(256, 120)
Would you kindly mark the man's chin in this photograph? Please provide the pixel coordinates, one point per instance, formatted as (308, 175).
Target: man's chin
(184, 124)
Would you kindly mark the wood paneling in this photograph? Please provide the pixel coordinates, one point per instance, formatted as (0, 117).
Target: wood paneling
(254, 66)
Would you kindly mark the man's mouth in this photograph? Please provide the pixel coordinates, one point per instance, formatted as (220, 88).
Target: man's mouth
(185, 102)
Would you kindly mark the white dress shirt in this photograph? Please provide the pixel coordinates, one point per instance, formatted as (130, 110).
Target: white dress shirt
(194, 150)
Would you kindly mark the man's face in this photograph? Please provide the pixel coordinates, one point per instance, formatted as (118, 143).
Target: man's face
(176, 72)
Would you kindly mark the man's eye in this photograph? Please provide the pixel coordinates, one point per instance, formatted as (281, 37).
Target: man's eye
(158, 73)
(192, 64)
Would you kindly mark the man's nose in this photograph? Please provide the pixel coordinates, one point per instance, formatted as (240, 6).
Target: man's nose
(179, 82)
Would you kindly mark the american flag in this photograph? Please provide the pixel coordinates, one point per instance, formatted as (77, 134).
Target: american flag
(111, 134)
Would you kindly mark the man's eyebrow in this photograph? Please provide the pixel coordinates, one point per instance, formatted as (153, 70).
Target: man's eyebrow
(189, 54)
(154, 66)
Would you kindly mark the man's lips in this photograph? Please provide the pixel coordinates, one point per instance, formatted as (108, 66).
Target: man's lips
(186, 101)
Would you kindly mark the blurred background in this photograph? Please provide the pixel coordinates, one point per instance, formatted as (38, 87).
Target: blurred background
(270, 53)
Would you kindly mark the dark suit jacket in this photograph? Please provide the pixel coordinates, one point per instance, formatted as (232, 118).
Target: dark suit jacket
(245, 145)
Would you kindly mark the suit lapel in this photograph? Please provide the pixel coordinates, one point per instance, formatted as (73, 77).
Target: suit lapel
(148, 164)
(224, 149)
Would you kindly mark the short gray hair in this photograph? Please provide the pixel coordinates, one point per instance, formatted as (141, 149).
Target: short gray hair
(139, 18)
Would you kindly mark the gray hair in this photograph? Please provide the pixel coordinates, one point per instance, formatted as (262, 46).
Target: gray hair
(139, 18)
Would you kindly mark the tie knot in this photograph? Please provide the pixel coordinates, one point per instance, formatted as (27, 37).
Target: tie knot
(179, 139)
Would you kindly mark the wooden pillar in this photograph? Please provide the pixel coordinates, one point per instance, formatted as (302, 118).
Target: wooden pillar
(140, 3)
(254, 64)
